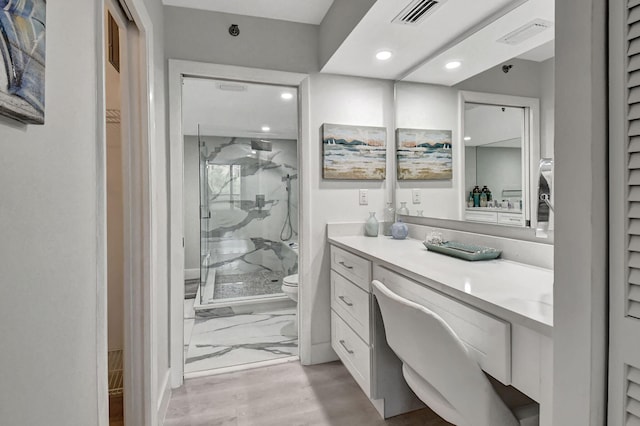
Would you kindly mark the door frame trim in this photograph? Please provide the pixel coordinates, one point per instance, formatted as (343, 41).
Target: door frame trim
(177, 70)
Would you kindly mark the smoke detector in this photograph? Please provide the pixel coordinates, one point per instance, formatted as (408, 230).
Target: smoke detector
(525, 32)
(417, 11)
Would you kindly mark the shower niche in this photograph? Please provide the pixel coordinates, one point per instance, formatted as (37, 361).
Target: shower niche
(241, 190)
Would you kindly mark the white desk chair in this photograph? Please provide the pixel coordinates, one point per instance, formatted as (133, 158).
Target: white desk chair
(438, 368)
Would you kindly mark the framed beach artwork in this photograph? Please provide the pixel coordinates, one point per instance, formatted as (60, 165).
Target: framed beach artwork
(424, 154)
(354, 152)
(22, 68)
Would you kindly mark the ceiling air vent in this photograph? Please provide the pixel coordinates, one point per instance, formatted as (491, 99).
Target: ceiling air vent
(231, 87)
(526, 31)
(417, 11)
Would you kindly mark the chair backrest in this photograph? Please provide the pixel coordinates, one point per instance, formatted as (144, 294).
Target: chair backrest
(428, 345)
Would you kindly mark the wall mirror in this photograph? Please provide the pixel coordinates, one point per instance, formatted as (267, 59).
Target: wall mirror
(497, 141)
(499, 150)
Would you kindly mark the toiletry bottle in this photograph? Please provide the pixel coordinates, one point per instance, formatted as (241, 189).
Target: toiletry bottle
(470, 199)
(476, 196)
(486, 190)
(489, 196)
(389, 218)
(483, 199)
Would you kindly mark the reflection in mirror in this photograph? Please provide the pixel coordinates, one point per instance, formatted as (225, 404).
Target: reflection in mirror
(494, 157)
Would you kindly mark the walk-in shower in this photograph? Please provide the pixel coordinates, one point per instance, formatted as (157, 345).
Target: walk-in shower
(248, 227)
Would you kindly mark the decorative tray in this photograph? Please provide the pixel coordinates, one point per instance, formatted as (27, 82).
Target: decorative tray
(464, 251)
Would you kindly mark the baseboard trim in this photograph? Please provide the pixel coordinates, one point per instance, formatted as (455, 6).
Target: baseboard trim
(321, 353)
(191, 274)
(165, 396)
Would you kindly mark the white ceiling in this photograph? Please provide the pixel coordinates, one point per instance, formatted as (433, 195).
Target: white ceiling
(410, 44)
(482, 51)
(239, 114)
(304, 11)
(489, 124)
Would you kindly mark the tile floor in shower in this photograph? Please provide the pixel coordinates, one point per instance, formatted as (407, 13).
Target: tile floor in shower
(219, 338)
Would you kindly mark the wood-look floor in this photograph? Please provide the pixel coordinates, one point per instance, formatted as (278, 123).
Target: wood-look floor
(283, 395)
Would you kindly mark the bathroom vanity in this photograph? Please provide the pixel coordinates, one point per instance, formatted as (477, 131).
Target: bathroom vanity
(502, 310)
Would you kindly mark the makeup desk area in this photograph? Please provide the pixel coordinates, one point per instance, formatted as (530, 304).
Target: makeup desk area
(501, 311)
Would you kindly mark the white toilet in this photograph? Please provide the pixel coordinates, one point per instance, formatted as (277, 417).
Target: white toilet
(290, 288)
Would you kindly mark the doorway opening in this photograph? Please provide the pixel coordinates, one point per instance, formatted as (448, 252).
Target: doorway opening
(240, 192)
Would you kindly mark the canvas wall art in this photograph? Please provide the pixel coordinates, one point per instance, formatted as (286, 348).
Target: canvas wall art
(424, 154)
(354, 152)
(22, 69)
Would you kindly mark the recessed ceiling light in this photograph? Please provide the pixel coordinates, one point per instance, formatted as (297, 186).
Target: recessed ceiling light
(266, 128)
(467, 138)
(286, 96)
(453, 65)
(383, 55)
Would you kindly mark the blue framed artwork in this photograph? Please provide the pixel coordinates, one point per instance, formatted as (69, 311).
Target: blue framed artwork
(22, 69)
(424, 154)
(354, 152)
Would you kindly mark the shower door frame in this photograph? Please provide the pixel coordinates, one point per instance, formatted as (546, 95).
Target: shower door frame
(178, 69)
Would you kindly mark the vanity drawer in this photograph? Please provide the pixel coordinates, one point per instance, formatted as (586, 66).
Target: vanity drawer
(481, 216)
(351, 303)
(353, 267)
(487, 338)
(354, 353)
(515, 219)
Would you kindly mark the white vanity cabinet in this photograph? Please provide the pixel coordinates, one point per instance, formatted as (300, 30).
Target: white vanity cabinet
(512, 346)
(509, 218)
(350, 319)
(357, 336)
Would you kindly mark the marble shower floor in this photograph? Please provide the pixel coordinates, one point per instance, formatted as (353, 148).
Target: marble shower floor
(233, 340)
(249, 284)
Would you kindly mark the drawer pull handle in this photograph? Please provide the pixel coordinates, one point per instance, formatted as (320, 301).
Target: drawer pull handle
(349, 351)
(345, 300)
(345, 265)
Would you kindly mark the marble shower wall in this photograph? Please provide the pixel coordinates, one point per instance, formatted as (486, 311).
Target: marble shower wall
(241, 235)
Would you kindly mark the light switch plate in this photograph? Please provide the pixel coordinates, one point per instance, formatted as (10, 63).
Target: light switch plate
(364, 197)
(416, 196)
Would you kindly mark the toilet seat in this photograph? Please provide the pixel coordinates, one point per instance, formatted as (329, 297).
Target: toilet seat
(290, 280)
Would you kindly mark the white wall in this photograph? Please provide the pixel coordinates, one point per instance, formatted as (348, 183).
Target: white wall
(427, 106)
(340, 100)
(498, 169)
(547, 107)
(581, 243)
(199, 35)
(159, 190)
(341, 18)
(48, 257)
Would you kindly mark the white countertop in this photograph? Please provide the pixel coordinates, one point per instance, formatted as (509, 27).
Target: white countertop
(519, 293)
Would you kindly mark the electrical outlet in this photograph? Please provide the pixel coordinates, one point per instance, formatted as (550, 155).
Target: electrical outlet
(416, 196)
(364, 197)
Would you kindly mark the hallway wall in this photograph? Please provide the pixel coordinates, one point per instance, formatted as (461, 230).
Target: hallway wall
(48, 210)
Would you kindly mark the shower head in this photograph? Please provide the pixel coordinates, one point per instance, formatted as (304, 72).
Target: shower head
(289, 178)
(260, 145)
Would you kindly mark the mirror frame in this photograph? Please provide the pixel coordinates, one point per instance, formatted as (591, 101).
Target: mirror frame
(530, 146)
